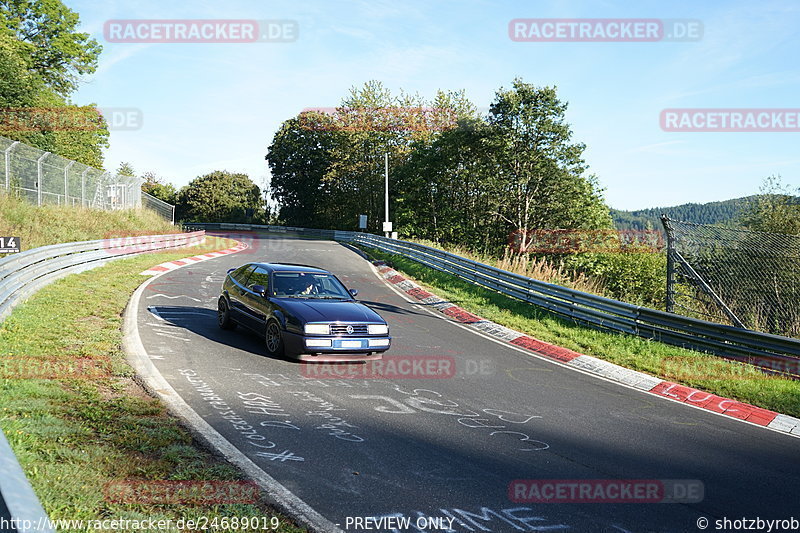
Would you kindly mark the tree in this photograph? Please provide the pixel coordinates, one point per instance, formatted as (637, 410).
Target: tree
(125, 169)
(455, 177)
(45, 32)
(157, 187)
(221, 196)
(775, 210)
(328, 167)
(299, 159)
(18, 86)
(443, 191)
(40, 59)
(539, 170)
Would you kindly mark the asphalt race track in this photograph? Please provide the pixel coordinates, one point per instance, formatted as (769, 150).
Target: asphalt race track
(5, 518)
(449, 448)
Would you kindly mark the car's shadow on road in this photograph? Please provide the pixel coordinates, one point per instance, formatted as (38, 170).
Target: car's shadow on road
(203, 322)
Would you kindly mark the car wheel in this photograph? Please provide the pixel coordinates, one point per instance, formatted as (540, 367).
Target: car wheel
(274, 339)
(224, 315)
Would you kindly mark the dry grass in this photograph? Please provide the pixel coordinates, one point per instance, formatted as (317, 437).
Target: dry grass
(42, 225)
(538, 268)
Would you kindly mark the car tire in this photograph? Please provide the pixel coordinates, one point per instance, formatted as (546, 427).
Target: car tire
(224, 315)
(273, 339)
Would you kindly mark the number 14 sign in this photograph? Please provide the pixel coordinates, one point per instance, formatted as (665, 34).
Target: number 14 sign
(9, 245)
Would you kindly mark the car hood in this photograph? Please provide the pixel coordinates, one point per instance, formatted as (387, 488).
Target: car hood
(330, 311)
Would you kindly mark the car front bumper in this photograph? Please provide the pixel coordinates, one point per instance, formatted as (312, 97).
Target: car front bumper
(312, 348)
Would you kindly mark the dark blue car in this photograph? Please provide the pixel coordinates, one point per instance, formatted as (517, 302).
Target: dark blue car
(302, 312)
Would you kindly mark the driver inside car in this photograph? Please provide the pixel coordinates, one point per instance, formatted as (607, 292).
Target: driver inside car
(305, 285)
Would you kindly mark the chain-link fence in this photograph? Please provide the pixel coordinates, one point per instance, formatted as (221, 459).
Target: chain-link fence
(749, 279)
(43, 178)
(161, 207)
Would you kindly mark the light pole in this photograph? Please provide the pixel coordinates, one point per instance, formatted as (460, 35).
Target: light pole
(387, 226)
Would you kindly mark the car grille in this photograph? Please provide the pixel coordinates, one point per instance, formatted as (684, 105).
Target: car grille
(341, 329)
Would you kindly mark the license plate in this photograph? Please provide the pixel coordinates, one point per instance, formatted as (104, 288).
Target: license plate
(351, 344)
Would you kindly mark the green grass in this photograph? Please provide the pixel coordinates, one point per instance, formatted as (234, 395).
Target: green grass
(42, 225)
(703, 371)
(93, 424)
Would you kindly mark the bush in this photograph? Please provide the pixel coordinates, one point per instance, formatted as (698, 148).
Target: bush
(638, 278)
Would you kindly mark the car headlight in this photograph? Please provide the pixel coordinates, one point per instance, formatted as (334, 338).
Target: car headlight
(378, 329)
(317, 329)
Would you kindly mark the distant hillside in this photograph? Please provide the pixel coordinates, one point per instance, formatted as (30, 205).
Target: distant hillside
(721, 213)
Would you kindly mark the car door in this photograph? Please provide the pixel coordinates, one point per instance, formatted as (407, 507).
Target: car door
(256, 305)
(236, 291)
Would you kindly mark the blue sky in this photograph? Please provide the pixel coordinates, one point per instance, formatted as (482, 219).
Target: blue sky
(215, 106)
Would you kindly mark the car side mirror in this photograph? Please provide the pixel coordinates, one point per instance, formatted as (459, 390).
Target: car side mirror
(353, 292)
(260, 289)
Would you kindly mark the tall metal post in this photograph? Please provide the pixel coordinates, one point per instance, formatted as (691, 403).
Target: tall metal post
(386, 185)
(39, 178)
(83, 187)
(670, 295)
(8, 165)
(66, 176)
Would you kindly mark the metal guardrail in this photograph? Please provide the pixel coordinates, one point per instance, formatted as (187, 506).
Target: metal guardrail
(23, 274)
(770, 352)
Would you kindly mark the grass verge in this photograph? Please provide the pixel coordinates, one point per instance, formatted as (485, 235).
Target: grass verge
(703, 371)
(89, 426)
(50, 224)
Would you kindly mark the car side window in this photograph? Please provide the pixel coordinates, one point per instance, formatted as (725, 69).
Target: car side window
(240, 274)
(260, 276)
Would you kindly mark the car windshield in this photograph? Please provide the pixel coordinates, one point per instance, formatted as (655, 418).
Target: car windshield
(308, 285)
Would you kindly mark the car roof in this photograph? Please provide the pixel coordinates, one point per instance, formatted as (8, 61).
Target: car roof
(291, 267)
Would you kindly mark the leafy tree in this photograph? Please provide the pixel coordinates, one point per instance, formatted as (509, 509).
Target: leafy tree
(443, 190)
(540, 171)
(41, 57)
(155, 186)
(328, 167)
(45, 32)
(775, 210)
(381, 124)
(299, 159)
(221, 196)
(18, 86)
(125, 169)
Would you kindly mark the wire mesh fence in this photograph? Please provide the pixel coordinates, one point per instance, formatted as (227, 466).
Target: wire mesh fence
(161, 207)
(749, 279)
(43, 178)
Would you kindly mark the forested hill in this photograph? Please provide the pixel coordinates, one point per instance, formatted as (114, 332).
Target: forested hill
(721, 213)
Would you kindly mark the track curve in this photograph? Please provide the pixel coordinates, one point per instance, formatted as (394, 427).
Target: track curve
(448, 448)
